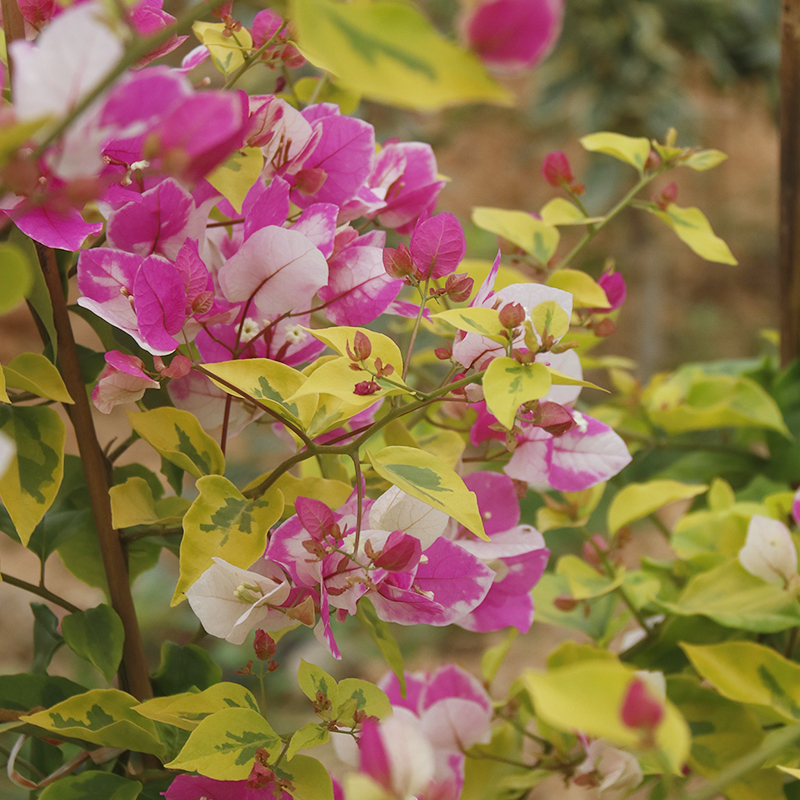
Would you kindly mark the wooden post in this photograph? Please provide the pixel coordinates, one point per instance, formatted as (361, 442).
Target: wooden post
(789, 260)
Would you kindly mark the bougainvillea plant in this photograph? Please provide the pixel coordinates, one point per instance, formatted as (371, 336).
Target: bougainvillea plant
(259, 265)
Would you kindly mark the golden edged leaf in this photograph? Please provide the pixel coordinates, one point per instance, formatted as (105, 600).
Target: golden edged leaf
(474, 319)
(637, 500)
(585, 290)
(234, 179)
(693, 229)
(632, 150)
(34, 373)
(520, 228)
(508, 384)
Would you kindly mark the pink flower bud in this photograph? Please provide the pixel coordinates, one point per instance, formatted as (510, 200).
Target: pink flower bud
(666, 196)
(565, 603)
(364, 388)
(556, 170)
(400, 553)
(310, 181)
(362, 347)
(458, 287)
(512, 315)
(264, 645)
(640, 709)
(554, 418)
(397, 263)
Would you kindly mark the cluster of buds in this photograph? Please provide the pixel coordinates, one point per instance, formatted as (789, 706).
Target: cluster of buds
(666, 196)
(361, 351)
(262, 777)
(224, 13)
(557, 171)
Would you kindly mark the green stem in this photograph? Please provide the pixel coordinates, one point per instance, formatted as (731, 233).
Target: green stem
(593, 230)
(40, 591)
(249, 60)
(661, 527)
(140, 48)
(318, 89)
(765, 752)
(120, 449)
(417, 323)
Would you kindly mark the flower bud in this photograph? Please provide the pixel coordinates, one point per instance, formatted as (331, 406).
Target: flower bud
(400, 553)
(565, 603)
(310, 181)
(398, 263)
(666, 196)
(640, 709)
(458, 287)
(512, 315)
(443, 353)
(769, 551)
(362, 347)
(264, 645)
(605, 327)
(364, 388)
(556, 170)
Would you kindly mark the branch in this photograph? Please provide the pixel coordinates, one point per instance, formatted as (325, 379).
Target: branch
(40, 591)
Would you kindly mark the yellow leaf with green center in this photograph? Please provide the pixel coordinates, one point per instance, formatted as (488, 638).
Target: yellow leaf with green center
(102, 716)
(559, 211)
(234, 179)
(227, 52)
(223, 523)
(550, 319)
(704, 159)
(387, 51)
(508, 384)
(632, 150)
(179, 437)
(428, 479)
(34, 373)
(329, 92)
(223, 746)
(270, 382)
(585, 290)
(520, 228)
(692, 228)
(484, 321)
(29, 485)
(637, 500)
(132, 503)
(587, 696)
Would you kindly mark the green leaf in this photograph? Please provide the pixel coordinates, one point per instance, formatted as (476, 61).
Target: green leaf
(689, 400)
(223, 746)
(177, 436)
(550, 319)
(14, 135)
(631, 150)
(366, 697)
(750, 673)
(559, 211)
(596, 624)
(475, 319)
(104, 717)
(34, 373)
(16, 275)
(184, 667)
(584, 580)
(46, 638)
(222, 522)
(188, 709)
(97, 636)
(381, 634)
(520, 228)
(132, 503)
(492, 659)
(704, 159)
(270, 382)
(587, 696)
(92, 786)
(329, 92)
(585, 290)
(733, 597)
(637, 500)
(312, 734)
(234, 179)
(568, 653)
(226, 52)
(508, 384)
(30, 484)
(428, 479)
(692, 228)
(387, 51)
(27, 690)
(313, 680)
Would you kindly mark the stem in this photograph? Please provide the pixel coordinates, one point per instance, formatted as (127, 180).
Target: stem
(792, 641)
(226, 418)
(317, 89)
(249, 60)
(593, 230)
(767, 750)
(140, 48)
(133, 672)
(40, 591)
(661, 527)
(115, 454)
(417, 323)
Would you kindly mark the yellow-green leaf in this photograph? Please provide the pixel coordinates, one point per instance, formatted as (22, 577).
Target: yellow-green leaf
(549, 318)
(16, 274)
(314, 681)
(188, 709)
(387, 51)
(132, 503)
(92, 784)
(562, 379)
(428, 479)
(584, 580)
(11, 137)
(30, 484)
(312, 734)
(475, 319)
(559, 211)
(97, 636)
(632, 150)
(704, 159)
(178, 437)
(34, 373)
(104, 717)
(366, 697)
(492, 659)
(520, 228)
(4, 398)
(223, 746)
(222, 522)
(692, 228)
(333, 493)
(270, 382)
(637, 500)
(330, 92)
(234, 179)
(588, 696)
(382, 346)
(508, 384)
(381, 634)
(750, 673)
(585, 291)
(227, 52)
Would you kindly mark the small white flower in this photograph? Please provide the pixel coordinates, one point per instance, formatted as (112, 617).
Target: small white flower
(614, 768)
(249, 329)
(295, 334)
(769, 552)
